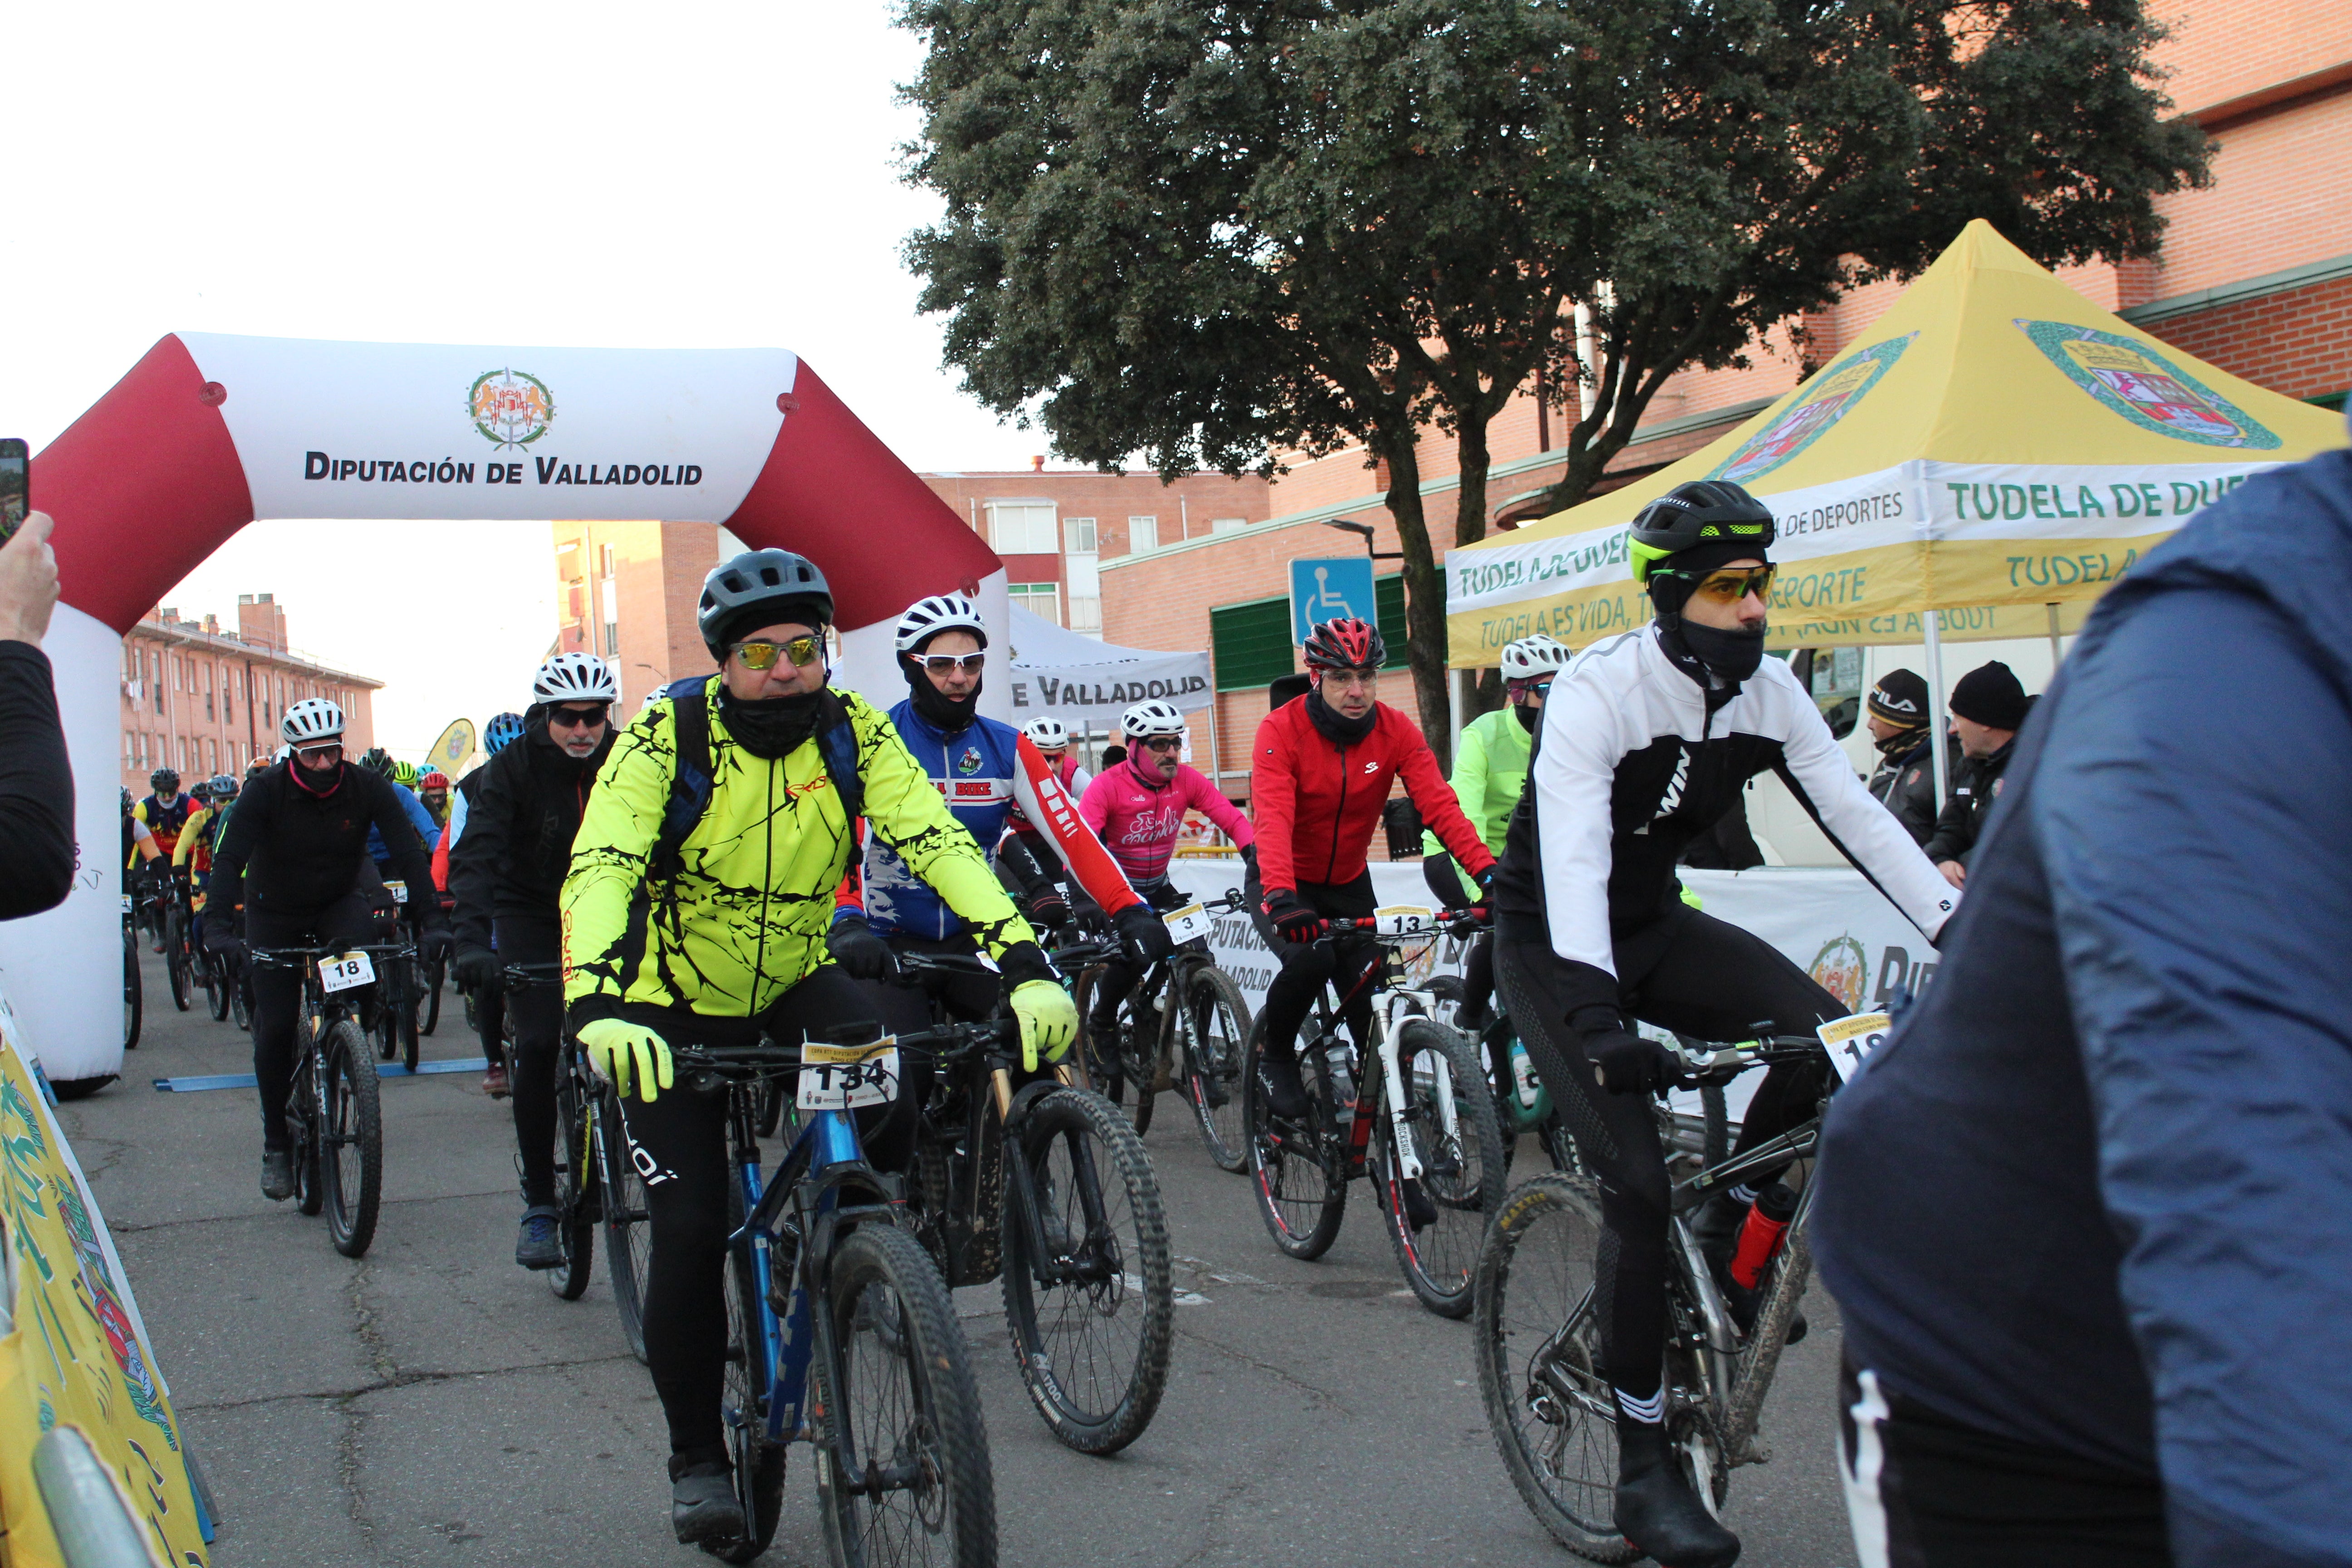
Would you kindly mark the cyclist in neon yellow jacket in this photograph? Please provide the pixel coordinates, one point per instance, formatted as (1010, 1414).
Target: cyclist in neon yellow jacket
(1490, 770)
(696, 914)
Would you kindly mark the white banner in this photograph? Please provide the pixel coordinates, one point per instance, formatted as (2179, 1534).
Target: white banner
(1061, 674)
(402, 430)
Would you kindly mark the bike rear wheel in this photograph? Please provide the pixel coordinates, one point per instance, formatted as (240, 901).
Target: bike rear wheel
(134, 997)
(1093, 1320)
(350, 1152)
(743, 1407)
(1220, 1029)
(575, 1188)
(1299, 1198)
(219, 984)
(1540, 1375)
(628, 1230)
(899, 1393)
(1450, 1109)
(428, 998)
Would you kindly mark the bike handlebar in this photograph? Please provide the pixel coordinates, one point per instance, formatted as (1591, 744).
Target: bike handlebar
(295, 957)
(1721, 1062)
(747, 1062)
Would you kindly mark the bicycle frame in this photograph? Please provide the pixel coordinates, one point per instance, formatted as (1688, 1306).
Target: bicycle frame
(1394, 1004)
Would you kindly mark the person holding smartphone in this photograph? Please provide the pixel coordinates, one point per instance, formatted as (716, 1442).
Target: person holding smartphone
(36, 779)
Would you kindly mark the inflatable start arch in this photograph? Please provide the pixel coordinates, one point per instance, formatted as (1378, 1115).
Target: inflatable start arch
(208, 433)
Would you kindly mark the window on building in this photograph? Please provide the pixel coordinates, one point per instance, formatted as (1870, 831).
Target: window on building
(1228, 525)
(1143, 534)
(1085, 614)
(130, 750)
(212, 756)
(1388, 596)
(1250, 643)
(612, 638)
(606, 553)
(1023, 528)
(228, 686)
(1037, 598)
(1078, 535)
(183, 754)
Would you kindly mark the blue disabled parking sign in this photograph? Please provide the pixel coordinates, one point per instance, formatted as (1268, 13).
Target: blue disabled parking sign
(1327, 590)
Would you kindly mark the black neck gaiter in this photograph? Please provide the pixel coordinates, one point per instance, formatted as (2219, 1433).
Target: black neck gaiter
(1897, 746)
(1527, 713)
(949, 713)
(1338, 730)
(772, 726)
(301, 776)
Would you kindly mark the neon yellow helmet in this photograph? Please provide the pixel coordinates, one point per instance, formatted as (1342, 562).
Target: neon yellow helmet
(404, 775)
(1704, 511)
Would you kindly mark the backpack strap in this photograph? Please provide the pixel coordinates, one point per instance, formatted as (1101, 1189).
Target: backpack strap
(692, 782)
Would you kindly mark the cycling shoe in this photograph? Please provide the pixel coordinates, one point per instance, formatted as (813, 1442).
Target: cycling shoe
(1657, 1511)
(702, 1505)
(277, 1174)
(1285, 1095)
(540, 1244)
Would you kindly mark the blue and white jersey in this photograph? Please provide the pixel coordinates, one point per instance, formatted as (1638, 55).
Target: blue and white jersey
(974, 769)
(428, 831)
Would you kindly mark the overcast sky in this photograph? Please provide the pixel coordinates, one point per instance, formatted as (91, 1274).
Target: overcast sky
(689, 176)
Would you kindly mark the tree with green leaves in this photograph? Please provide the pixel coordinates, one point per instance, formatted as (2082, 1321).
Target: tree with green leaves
(1210, 234)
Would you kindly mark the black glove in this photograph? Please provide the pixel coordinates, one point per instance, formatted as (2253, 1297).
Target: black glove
(1021, 962)
(221, 938)
(861, 954)
(1626, 1063)
(434, 943)
(1249, 855)
(1047, 906)
(476, 967)
(1143, 933)
(1290, 915)
(1484, 908)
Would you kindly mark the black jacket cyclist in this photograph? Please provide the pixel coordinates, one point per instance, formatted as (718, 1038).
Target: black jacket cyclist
(1905, 783)
(295, 856)
(490, 997)
(1646, 741)
(506, 872)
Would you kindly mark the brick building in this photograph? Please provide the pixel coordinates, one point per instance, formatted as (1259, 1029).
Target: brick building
(626, 590)
(2256, 277)
(202, 700)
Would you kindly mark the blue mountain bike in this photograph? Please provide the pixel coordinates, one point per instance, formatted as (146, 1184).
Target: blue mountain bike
(841, 1332)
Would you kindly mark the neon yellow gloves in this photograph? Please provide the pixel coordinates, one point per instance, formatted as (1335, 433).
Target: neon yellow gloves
(1049, 1022)
(618, 1047)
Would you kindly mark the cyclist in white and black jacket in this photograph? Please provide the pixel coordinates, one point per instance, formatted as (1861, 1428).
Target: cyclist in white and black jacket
(1646, 743)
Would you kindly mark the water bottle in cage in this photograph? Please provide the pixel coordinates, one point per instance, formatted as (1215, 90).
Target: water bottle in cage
(1336, 1057)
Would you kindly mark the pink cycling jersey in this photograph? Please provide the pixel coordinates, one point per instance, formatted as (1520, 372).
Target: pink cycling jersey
(1137, 823)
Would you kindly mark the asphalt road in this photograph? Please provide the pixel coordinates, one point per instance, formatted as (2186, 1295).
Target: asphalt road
(431, 1404)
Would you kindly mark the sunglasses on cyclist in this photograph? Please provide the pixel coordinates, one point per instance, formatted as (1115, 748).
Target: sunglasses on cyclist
(319, 753)
(579, 718)
(942, 664)
(761, 654)
(1730, 587)
(1162, 743)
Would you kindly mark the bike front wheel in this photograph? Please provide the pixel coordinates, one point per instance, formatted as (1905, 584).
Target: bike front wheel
(1537, 1334)
(1299, 1196)
(134, 997)
(219, 984)
(751, 1378)
(351, 1141)
(428, 998)
(1449, 1112)
(1090, 1299)
(1220, 1028)
(575, 1188)
(899, 1404)
(628, 1229)
(176, 959)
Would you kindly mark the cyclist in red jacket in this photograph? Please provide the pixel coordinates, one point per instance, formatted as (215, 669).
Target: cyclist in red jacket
(1319, 776)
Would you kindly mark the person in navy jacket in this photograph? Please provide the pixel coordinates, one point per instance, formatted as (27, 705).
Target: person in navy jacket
(2089, 1212)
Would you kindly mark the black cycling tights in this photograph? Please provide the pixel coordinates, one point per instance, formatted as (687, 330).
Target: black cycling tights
(278, 997)
(1308, 967)
(682, 1139)
(1691, 972)
(1118, 977)
(538, 1012)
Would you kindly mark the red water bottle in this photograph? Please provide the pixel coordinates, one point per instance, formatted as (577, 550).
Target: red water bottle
(1760, 1237)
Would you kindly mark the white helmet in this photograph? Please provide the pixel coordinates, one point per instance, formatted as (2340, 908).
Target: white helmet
(940, 613)
(312, 719)
(1050, 733)
(280, 755)
(575, 677)
(1153, 719)
(1530, 657)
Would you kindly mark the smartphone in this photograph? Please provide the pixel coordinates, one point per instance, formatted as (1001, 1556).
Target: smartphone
(16, 485)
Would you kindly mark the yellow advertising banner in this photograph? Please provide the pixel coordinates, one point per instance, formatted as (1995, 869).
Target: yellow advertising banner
(1994, 445)
(75, 1354)
(453, 749)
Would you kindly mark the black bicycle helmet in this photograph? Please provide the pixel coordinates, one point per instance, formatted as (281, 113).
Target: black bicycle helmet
(377, 760)
(1701, 513)
(758, 588)
(163, 779)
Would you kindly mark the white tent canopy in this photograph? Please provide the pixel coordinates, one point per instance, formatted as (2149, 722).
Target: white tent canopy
(1060, 674)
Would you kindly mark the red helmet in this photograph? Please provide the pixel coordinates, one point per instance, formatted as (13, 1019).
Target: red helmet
(1346, 644)
(436, 779)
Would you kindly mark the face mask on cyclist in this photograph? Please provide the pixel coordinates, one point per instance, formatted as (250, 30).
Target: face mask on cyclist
(770, 727)
(949, 713)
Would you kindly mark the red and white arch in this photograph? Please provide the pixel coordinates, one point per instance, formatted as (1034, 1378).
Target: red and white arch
(208, 433)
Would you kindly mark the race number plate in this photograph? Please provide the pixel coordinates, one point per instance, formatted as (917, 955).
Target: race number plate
(126, 904)
(342, 974)
(1850, 1040)
(1188, 922)
(1403, 919)
(842, 1077)
(399, 890)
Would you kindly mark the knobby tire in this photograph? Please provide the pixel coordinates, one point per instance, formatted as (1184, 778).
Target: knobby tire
(352, 1141)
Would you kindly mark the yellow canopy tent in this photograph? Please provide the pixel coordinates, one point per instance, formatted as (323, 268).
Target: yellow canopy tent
(1997, 445)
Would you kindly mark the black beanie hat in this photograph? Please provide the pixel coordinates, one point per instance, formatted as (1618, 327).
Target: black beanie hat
(1990, 695)
(1900, 698)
